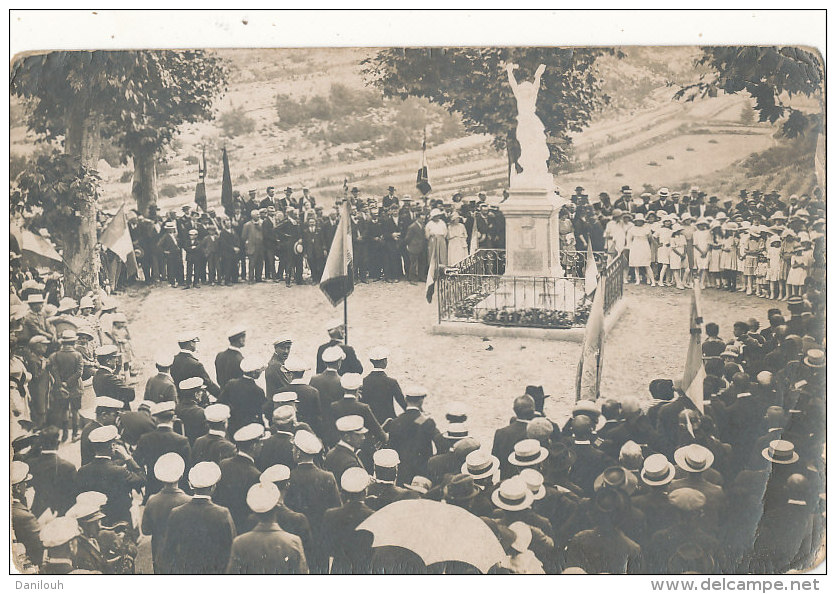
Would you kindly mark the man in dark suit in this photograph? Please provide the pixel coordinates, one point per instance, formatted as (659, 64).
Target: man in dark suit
(349, 548)
(161, 440)
(106, 382)
(446, 464)
(311, 491)
(186, 365)
(411, 434)
(345, 454)
(276, 376)
(112, 472)
(135, 423)
(327, 382)
(214, 446)
(266, 549)
(384, 490)
(505, 438)
(589, 460)
(350, 364)
(200, 533)
(106, 412)
(169, 471)
(53, 478)
(24, 522)
(228, 362)
(309, 408)
(278, 448)
(244, 397)
(239, 473)
(188, 409)
(380, 391)
(350, 405)
(161, 386)
(390, 228)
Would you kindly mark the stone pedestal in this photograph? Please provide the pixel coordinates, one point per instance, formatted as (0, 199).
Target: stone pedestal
(532, 244)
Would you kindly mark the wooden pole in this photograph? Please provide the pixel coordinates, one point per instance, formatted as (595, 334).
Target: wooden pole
(345, 320)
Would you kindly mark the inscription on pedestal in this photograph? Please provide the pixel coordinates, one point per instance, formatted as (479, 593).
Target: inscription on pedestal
(527, 260)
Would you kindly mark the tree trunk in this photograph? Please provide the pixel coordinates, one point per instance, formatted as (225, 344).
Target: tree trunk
(81, 258)
(144, 188)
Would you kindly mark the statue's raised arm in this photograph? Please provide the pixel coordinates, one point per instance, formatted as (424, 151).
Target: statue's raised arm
(510, 67)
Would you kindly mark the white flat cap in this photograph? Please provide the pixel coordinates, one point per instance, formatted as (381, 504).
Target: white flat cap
(164, 359)
(187, 336)
(169, 467)
(235, 331)
(378, 353)
(307, 442)
(104, 434)
(282, 338)
(59, 531)
(275, 474)
(251, 364)
(334, 323)
(108, 402)
(19, 472)
(351, 423)
(106, 350)
(296, 364)
(249, 432)
(204, 474)
(284, 414)
(415, 391)
(386, 458)
(159, 408)
(215, 413)
(262, 497)
(94, 497)
(351, 381)
(333, 354)
(355, 480)
(190, 383)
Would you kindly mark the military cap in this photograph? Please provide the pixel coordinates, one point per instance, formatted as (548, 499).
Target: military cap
(91, 497)
(19, 472)
(140, 404)
(216, 413)
(107, 350)
(283, 338)
(236, 331)
(686, 499)
(164, 359)
(188, 336)
(386, 458)
(161, 408)
(59, 531)
(39, 339)
(285, 397)
(191, 383)
(415, 391)
(169, 467)
(284, 414)
(86, 511)
(355, 480)
(204, 474)
(351, 381)
(334, 323)
(586, 407)
(251, 364)
(249, 432)
(333, 354)
(275, 474)
(378, 353)
(307, 442)
(104, 434)
(351, 423)
(296, 364)
(262, 497)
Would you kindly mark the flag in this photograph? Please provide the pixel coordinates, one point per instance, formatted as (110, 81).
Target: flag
(692, 378)
(200, 188)
(117, 238)
(338, 277)
(422, 183)
(226, 186)
(591, 274)
(431, 272)
(474, 237)
(591, 363)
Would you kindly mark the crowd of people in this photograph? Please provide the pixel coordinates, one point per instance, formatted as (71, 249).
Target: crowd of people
(287, 239)
(227, 473)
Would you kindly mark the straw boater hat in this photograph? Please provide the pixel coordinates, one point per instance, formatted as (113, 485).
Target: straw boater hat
(693, 458)
(780, 451)
(528, 452)
(512, 495)
(657, 470)
(480, 464)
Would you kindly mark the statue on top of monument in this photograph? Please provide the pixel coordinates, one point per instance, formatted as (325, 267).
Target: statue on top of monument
(531, 135)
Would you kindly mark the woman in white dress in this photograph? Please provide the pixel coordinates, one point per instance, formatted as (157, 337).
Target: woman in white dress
(638, 242)
(663, 255)
(436, 232)
(702, 242)
(456, 240)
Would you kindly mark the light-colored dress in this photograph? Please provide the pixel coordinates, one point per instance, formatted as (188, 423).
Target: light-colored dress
(617, 234)
(702, 241)
(456, 243)
(798, 270)
(663, 236)
(638, 242)
(678, 244)
(773, 274)
(436, 232)
(750, 257)
(728, 254)
(715, 249)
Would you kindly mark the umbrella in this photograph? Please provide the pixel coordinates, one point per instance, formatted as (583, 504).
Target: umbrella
(436, 532)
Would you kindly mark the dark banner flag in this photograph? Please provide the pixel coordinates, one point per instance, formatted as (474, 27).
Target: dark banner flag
(200, 189)
(226, 187)
(423, 181)
(338, 277)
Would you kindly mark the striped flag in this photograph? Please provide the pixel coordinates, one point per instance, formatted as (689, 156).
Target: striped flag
(694, 375)
(117, 238)
(338, 277)
(431, 272)
(591, 363)
(422, 182)
(226, 186)
(474, 237)
(591, 274)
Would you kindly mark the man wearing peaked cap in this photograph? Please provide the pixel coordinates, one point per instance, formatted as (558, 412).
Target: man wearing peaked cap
(336, 332)
(104, 475)
(228, 362)
(186, 364)
(290, 521)
(345, 454)
(246, 400)
(107, 382)
(105, 411)
(239, 473)
(53, 477)
(162, 440)
(24, 523)
(161, 386)
(448, 463)
(384, 489)
(350, 405)
(380, 391)
(349, 548)
(412, 434)
(276, 376)
(214, 446)
(278, 447)
(200, 533)
(328, 381)
(267, 549)
(66, 367)
(58, 536)
(309, 409)
(688, 528)
(169, 470)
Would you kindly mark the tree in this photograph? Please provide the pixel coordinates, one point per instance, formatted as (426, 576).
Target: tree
(473, 82)
(766, 73)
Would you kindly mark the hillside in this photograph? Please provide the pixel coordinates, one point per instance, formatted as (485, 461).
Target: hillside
(304, 117)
